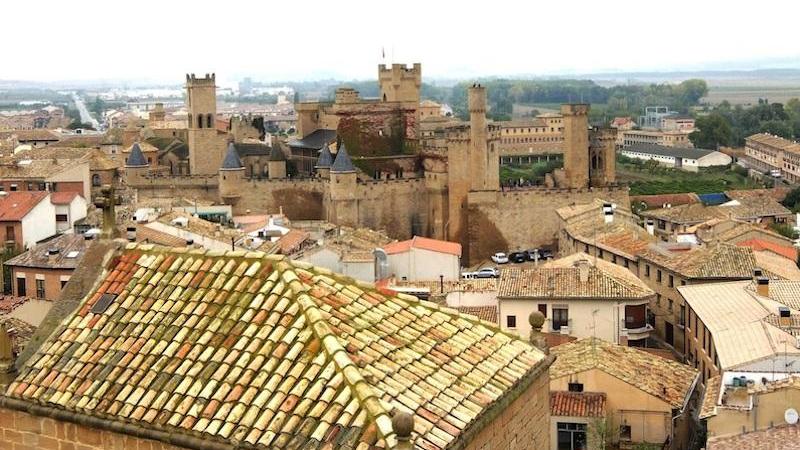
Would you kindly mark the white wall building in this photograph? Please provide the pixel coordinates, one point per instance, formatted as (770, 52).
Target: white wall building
(421, 259)
(690, 159)
(70, 207)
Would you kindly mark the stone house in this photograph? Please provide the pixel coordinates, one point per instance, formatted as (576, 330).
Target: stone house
(169, 348)
(578, 296)
(44, 270)
(641, 397)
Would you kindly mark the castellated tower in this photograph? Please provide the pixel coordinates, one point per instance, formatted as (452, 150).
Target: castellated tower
(400, 83)
(343, 190)
(484, 162)
(231, 177)
(576, 145)
(205, 151)
(602, 157)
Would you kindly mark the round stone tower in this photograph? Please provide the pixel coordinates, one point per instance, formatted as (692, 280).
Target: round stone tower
(231, 177)
(136, 166)
(343, 189)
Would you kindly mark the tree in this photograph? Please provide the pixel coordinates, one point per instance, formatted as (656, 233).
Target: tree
(712, 131)
(693, 90)
(601, 433)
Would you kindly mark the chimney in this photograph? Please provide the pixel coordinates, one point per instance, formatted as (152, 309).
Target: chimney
(6, 356)
(583, 269)
(762, 286)
(608, 212)
(131, 233)
(784, 316)
(52, 255)
(650, 226)
(757, 273)
(403, 425)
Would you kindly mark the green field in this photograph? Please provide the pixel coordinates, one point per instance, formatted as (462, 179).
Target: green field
(649, 179)
(749, 94)
(527, 172)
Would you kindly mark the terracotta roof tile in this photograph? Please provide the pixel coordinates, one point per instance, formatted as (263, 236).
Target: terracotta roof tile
(715, 261)
(9, 303)
(577, 404)
(487, 313)
(424, 243)
(667, 380)
(16, 205)
(787, 251)
(262, 351)
(19, 331)
(71, 248)
(62, 198)
(783, 437)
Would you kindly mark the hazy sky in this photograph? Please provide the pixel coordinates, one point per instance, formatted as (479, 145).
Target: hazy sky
(272, 40)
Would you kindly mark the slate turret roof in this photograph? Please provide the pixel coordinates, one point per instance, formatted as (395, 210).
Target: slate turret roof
(325, 159)
(258, 351)
(342, 163)
(136, 157)
(231, 160)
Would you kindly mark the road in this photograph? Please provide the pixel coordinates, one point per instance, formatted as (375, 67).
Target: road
(86, 117)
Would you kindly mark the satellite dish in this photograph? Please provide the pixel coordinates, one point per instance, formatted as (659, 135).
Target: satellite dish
(791, 416)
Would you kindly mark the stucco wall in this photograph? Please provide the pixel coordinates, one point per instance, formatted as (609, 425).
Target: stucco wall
(424, 265)
(39, 223)
(648, 416)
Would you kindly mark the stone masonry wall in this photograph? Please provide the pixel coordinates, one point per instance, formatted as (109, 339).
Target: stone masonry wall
(523, 425)
(524, 219)
(22, 431)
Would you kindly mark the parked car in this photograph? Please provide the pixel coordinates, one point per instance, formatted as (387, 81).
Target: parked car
(533, 254)
(518, 257)
(545, 253)
(488, 272)
(500, 258)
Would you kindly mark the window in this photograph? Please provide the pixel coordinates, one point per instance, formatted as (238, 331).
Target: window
(14, 188)
(63, 283)
(10, 233)
(658, 300)
(21, 291)
(39, 288)
(575, 387)
(658, 275)
(671, 281)
(96, 180)
(30, 186)
(511, 321)
(560, 318)
(571, 436)
(543, 309)
(670, 304)
(682, 319)
(61, 218)
(647, 270)
(624, 432)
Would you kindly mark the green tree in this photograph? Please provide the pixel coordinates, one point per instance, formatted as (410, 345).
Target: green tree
(691, 91)
(713, 131)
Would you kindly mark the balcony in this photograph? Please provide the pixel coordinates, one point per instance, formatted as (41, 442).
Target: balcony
(635, 334)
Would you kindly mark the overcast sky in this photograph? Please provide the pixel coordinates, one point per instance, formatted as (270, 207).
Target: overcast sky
(48, 40)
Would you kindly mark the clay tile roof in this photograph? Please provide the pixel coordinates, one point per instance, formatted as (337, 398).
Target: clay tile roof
(62, 198)
(711, 395)
(342, 163)
(487, 313)
(258, 351)
(424, 243)
(561, 279)
(232, 160)
(16, 205)
(71, 248)
(712, 261)
(787, 251)
(19, 331)
(292, 241)
(659, 200)
(9, 303)
(577, 404)
(667, 380)
(136, 157)
(783, 436)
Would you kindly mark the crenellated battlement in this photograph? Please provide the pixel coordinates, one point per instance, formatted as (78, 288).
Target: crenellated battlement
(208, 79)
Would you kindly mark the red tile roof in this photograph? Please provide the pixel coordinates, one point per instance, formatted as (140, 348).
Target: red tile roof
(9, 303)
(62, 198)
(16, 205)
(487, 313)
(577, 404)
(433, 245)
(292, 241)
(787, 251)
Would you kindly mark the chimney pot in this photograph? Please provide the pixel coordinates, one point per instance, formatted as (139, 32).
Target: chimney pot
(762, 286)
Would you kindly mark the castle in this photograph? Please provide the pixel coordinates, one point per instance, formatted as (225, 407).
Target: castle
(383, 174)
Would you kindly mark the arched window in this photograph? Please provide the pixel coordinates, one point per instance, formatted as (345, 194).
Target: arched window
(384, 97)
(199, 121)
(95, 180)
(190, 121)
(210, 121)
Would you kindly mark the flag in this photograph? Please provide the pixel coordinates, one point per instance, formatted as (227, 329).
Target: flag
(383, 53)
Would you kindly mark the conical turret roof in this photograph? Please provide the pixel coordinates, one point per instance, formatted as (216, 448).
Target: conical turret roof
(342, 162)
(325, 158)
(276, 154)
(231, 160)
(136, 157)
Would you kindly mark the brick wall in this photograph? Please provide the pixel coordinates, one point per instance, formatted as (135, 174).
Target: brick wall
(22, 431)
(523, 425)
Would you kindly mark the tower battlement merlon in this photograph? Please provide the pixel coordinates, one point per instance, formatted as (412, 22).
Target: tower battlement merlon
(575, 109)
(207, 80)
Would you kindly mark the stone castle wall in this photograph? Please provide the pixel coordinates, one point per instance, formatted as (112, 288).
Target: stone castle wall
(397, 206)
(522, 219)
